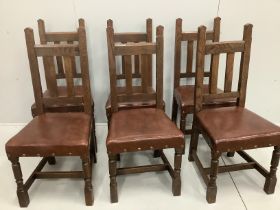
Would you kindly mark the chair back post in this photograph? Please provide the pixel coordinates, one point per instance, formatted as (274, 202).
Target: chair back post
(34, 69)
(85, 70)
(112, 66)
(149, 31)
(229, 48)
(82, 23)
(214, 66)
(200, 57)
(159, 67)
(177, 55)
(244, 64)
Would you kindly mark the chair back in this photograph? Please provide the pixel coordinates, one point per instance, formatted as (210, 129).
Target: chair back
(191, 39)
(130, 91)
(215, 49)
(49, 52)
(135, 37)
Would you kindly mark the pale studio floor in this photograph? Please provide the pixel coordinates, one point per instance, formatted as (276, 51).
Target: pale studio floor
(236, 190)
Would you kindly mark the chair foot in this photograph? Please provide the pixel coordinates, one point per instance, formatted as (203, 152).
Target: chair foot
(269, 186)
(113, 180)
(88, 190)
(270, 181)
(51, 160)
(176, 181)
(157, 153)
(211, 194)
(118, 157)
(211, 186)
(193, 143)
(230, 154)
(22, 194)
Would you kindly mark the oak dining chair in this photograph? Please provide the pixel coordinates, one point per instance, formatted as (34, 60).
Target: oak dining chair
(135, 130)
(230, 129)
(70, 37)
(51, 134)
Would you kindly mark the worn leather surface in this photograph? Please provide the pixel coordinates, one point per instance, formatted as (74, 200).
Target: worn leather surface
(142, 129)
(52, 134)
(236, 128)
(131, 104)
(184, 96)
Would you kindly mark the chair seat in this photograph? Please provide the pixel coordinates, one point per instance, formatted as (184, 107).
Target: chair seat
(184, 96)
(236, 128)
(142, 129)
(52, 134)
(132, 104)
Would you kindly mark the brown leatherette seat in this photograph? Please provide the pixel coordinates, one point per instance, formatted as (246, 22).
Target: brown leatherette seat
(142, 129)
(52, 134)
(237, 128)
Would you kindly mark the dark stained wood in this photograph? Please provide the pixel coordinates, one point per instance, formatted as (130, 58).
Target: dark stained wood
(177, 55)
(56, 100)
(189, 57)
(159, 67)
(134, 48)
(192, 36)
(50, 75)
(224, 47)
(85, 70)
(211, 97)
(34, 68)
(57, 50)
(141, 169)
(69, 75)
(112, 68)
(59, 174)
(128, 73)
(229, 72)
(244, 65)
(188, 72)
(130, 37)
(144, 72)
(200, 97)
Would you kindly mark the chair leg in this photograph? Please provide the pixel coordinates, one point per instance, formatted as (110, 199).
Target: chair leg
(23, 197)
(94, 133)
(230, 154)
(157, 153)
(271, 178)
(174, 111)
(183, 121)
(212, 187)
(176, 182)
(193, 143)
(51, 160)
(87, 168)
(113, 180)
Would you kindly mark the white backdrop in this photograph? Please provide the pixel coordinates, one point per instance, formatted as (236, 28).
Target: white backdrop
(15, 83)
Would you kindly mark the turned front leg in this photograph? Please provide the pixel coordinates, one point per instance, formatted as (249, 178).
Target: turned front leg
(113, 180)
(22, 193)
(87, 169)
(174, 111)
(176, 182)
(211, 192)
(270, 181)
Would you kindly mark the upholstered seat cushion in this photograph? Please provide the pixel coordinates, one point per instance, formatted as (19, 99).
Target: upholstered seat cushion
(142, 129)
(52, 134)
(184, 96)
(236, 128)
